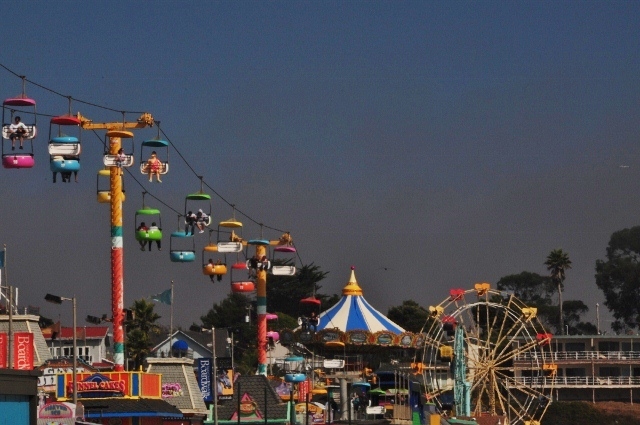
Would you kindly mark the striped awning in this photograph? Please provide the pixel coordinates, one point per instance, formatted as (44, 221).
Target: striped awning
(353, 312)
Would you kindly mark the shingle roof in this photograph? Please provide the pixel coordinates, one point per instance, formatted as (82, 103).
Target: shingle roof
(28, 323)
(186, 396)
(121, 407)
(255, 386)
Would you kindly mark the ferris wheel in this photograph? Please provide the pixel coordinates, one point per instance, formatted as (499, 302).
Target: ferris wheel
(487, 354)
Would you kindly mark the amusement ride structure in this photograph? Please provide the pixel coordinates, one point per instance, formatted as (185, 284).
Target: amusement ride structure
(64, 151)
(472, 339)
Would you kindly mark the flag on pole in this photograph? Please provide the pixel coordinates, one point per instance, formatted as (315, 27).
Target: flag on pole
(1, 259)
(163, 297)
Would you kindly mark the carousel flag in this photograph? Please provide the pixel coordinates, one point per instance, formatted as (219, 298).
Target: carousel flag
(163, 297)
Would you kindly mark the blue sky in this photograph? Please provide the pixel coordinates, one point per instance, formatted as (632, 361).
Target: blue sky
(429, 144)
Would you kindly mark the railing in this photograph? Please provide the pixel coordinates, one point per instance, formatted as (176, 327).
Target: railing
(574, 381)
(579, 355)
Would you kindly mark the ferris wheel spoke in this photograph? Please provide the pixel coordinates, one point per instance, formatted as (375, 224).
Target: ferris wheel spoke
(511, 335)
(506, 356)
(499, 393)
(507, 308)
(513, 405)
(523, 408)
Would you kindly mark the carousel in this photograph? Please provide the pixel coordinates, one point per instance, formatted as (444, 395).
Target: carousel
(353, 354)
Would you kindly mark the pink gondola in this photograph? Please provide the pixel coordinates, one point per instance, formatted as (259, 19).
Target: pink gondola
(18, 161)
(20, 158)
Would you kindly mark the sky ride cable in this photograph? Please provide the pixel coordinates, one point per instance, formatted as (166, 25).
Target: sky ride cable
(123, 112)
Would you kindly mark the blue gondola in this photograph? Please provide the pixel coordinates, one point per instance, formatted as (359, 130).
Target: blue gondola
(182, 247)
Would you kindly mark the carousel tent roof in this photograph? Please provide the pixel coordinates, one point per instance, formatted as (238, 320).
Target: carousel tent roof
(353, 312)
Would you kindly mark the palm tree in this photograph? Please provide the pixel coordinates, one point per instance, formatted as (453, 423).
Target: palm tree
(557, 262)
(140, 328)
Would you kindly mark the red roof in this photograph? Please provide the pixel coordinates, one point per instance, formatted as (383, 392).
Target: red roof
(82, 332)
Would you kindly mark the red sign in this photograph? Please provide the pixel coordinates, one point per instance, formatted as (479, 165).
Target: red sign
(303, 390)
(3, 351)
(23, 350)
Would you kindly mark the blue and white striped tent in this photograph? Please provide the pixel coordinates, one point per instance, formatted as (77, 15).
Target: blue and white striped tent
(353, 312)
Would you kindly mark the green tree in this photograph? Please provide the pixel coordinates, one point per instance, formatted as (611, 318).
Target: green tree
(410, 315)
(557, 263)
(230, 313)
(537, 291)
(285, 292)
(618, 277)
(528, 287)
(140, 329)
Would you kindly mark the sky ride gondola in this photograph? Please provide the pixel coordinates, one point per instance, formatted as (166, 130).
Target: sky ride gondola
(64, 149)
(293, 366)
(234, 242)
(182, 246)
(210, 267)
(10, 116)
(153, 145)
(104, 194)
(198, 201)
(111, 160)
(148, 216)
(239, 280)
(284, 269)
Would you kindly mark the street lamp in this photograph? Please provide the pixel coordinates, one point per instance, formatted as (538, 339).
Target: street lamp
(58, 300)
(214, 373)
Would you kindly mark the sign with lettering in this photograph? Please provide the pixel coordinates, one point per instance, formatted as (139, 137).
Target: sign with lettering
(98, 386)
(203, 375)
(172, 389)
(55, 410)
(224, 378)
(110, 384)
(23, 350)
(3, 351)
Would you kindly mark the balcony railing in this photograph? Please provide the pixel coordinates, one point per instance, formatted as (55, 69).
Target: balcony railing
(555, 356)
(575, 381)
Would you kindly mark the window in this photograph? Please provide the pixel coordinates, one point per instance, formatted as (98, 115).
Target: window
(609, 371)
(609, 346)
(574, 346)
(575, 371)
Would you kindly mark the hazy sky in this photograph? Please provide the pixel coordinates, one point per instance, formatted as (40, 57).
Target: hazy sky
(431, 145)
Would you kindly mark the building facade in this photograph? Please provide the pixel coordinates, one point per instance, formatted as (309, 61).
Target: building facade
(587, 367)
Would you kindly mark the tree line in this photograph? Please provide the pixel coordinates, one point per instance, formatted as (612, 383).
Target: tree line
(617, 276)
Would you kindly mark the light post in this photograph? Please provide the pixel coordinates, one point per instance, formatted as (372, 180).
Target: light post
(598, 318)
(58, 300)
(215, 376)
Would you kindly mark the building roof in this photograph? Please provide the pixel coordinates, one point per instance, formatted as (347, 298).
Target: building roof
(122, 407)
(28, 323)
(178, 372)
(82, 332)
(353, 312)
(255, 386)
